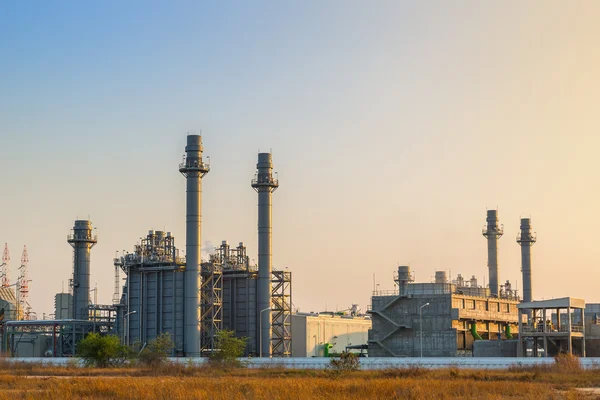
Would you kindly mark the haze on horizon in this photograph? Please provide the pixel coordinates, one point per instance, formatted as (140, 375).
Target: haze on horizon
(393, 126)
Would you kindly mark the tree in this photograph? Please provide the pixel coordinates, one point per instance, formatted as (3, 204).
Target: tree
(157, 351)
(102, 351)
(228, 349)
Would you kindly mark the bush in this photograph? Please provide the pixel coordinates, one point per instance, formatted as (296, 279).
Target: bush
(157, 351)
(347, 362)
(567, 363)
(102, 351)
(228, 349)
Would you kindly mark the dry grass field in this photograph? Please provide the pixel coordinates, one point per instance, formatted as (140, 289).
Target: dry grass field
(26, 381)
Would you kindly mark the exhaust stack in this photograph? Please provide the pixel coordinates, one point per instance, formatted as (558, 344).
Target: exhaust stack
(194, 169)
(265, 184)
(492, 233)
(526, 239)
(82, 240)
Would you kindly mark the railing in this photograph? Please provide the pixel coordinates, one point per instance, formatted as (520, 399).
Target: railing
(551, 329)
(75, 237)
(385, 293)
(195, 165)
(265, 180)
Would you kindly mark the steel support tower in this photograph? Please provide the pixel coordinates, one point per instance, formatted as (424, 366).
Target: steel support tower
(282, 313)
(492, 232)
(265, 184)
(194, 169)
(211, 305)
(82, 240)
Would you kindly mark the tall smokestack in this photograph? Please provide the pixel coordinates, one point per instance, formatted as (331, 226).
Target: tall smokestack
(194, 170)
(493, 232)
(526, 239)
(265, 185)
(82, 240)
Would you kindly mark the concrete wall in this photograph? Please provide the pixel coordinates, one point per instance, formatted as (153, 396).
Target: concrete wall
(310, 333)
(495, 348)
(396, 326)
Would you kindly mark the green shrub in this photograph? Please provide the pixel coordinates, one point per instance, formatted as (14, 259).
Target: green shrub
(102, 351)
(157, 351)
(228, 349)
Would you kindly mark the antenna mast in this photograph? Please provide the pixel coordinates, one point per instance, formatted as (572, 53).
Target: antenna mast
(23, 286)
(5, 266)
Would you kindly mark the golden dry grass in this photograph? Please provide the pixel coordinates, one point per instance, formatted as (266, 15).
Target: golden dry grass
(26, 381)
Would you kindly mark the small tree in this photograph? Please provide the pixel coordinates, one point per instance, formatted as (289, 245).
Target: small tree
(347, 362)
(157, 351)
(102, 351)
(228, 349)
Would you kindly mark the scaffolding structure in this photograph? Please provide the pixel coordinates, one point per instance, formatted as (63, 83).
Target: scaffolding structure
(211, 304)
(281, 308)
(228, 301)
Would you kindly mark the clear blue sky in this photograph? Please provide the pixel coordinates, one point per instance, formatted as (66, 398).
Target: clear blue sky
(393, 126)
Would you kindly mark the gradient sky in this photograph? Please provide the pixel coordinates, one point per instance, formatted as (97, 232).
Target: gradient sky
(393, 125)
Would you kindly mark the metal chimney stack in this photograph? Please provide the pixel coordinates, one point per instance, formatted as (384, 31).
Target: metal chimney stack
(526, 239)
(82, 240)
(492, 233)
(265, 184)
(194, 169)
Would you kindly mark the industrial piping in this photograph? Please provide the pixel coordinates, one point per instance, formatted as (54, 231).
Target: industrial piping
(194, 169)
(265, 184)
(82, 240)
(492, 233)
(526, 239)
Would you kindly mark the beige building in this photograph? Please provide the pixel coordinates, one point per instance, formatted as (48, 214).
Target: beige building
(317, 335)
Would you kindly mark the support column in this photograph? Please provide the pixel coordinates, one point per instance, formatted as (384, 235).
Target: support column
(520, 348)
(570, 342)
(583, 339)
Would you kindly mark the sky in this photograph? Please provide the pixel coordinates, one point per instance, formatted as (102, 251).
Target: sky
(393, 127)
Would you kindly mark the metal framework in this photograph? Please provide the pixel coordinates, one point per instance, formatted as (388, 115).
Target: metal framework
(103, 315)
(281, 308)
(211, 304)
(64, 335)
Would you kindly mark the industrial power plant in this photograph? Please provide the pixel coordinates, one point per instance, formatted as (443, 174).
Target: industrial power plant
(193, 299)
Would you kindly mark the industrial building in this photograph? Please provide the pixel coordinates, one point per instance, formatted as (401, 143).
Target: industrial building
(543, 335)
(437, 319)
(442, 318)
(189, 298)
(192, 299)
(325, 333)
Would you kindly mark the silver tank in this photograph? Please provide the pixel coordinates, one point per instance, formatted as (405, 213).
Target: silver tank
(194, 170)
(82, 240)
(441, 277)
(265, 184)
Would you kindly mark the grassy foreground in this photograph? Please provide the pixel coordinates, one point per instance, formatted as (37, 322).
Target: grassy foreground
(26, 381)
